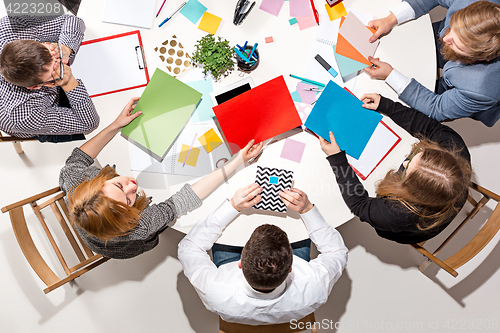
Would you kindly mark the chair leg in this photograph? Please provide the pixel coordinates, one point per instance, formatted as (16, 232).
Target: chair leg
(426, 263)
(17, 147)
(430, 256)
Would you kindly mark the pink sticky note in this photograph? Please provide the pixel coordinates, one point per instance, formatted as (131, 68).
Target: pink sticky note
(269, 39)
(306, 21)
(273, 7)
(293, 150)
(305, 95)
(299, 7)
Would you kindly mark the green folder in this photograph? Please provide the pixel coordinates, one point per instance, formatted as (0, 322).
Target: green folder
(166, 105)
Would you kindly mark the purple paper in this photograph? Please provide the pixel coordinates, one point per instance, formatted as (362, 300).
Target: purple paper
(305, 95)
(293, 150)
(299, 7)
(273, 7)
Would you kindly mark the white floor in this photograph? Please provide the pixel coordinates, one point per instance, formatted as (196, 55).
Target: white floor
(380, 290)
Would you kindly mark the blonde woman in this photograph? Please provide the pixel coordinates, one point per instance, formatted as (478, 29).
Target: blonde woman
(419, 200)
(113, 217)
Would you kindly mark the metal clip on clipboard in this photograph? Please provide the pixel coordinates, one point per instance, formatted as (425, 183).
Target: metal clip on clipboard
(241, 12)
(141, 59)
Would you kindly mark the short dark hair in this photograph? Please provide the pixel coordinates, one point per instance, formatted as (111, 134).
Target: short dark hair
(22, 62)
(266, 258)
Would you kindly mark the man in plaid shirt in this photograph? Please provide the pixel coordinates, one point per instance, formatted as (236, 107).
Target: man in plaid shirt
(34, 100)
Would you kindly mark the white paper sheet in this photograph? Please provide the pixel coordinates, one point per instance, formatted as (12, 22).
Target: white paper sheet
(137, 13)
(206, 162)
(382, 141)
(110, 65)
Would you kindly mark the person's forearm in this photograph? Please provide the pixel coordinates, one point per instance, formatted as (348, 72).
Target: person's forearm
(210, 182)
(71, 84)
(94, 146)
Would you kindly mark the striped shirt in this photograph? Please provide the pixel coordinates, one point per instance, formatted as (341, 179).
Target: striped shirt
(26, 113)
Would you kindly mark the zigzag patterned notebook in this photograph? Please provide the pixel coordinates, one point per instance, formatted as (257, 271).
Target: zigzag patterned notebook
(273, 181)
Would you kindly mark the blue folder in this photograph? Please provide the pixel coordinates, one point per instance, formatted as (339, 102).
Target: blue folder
(340, 112)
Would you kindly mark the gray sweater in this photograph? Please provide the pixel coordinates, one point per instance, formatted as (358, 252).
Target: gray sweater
(154, 218)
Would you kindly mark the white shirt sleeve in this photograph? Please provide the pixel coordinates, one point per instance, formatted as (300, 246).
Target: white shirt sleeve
(403, 12)
(397, 81)
(333, 253)
(192, 253)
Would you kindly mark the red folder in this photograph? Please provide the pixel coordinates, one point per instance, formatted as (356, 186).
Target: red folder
(260, 113)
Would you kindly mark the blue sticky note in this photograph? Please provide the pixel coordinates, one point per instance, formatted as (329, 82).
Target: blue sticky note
(340, 112)
(193, 10)
(296, 97)
(204, 110)
(274, 180)
(292, 21)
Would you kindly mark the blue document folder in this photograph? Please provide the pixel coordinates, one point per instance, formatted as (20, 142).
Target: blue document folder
(340, 112)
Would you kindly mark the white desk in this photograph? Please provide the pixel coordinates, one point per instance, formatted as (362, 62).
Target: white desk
(409, 48)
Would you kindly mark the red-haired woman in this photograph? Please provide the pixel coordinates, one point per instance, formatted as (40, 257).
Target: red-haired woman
(111, 215)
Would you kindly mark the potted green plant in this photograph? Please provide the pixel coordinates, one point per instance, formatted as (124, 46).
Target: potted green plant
(215, 56)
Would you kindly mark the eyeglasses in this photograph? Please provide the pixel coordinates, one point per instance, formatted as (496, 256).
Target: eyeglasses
(409, 160)
(61, 67)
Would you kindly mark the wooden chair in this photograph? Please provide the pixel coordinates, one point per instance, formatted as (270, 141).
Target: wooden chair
(15, 141)
(305, 323)
(87, 259)
(480, 240)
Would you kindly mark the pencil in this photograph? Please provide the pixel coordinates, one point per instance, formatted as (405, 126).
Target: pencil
(161, 7)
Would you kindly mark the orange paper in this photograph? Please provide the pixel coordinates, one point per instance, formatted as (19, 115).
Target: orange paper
(336, 11)
(209, 23)
(345, 49)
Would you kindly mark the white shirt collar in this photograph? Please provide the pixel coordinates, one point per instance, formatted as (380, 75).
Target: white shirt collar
(250, 292)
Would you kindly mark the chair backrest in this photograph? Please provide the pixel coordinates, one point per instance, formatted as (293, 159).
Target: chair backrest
(476, 244)
(15, 141)
(306, 323)
(54, 199)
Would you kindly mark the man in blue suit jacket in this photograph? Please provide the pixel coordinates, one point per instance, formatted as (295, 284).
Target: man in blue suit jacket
(469, 40)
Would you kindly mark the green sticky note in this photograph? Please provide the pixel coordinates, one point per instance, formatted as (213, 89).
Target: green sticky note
(166, 105)
(293, 20)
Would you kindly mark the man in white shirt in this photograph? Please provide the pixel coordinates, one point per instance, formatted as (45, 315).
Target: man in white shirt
(268, 285)
(469, 43)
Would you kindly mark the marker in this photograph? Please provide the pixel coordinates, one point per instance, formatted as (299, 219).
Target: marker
(189, 151)
(326, 65)
(307, 80)
(253, 50)
(168, 18)
(161, 7)
(315, 12)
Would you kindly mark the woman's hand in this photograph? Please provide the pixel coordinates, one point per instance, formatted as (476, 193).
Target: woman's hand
(383, 26)
(246, 197)
(126, 116)
(370, 101)
(250, 150)
(296, 200)
(380, 70)
(330, 148)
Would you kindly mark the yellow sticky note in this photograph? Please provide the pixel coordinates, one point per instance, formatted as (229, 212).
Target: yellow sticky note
(193, 155)
(336, 11)
(210, 140)
(209, 23)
